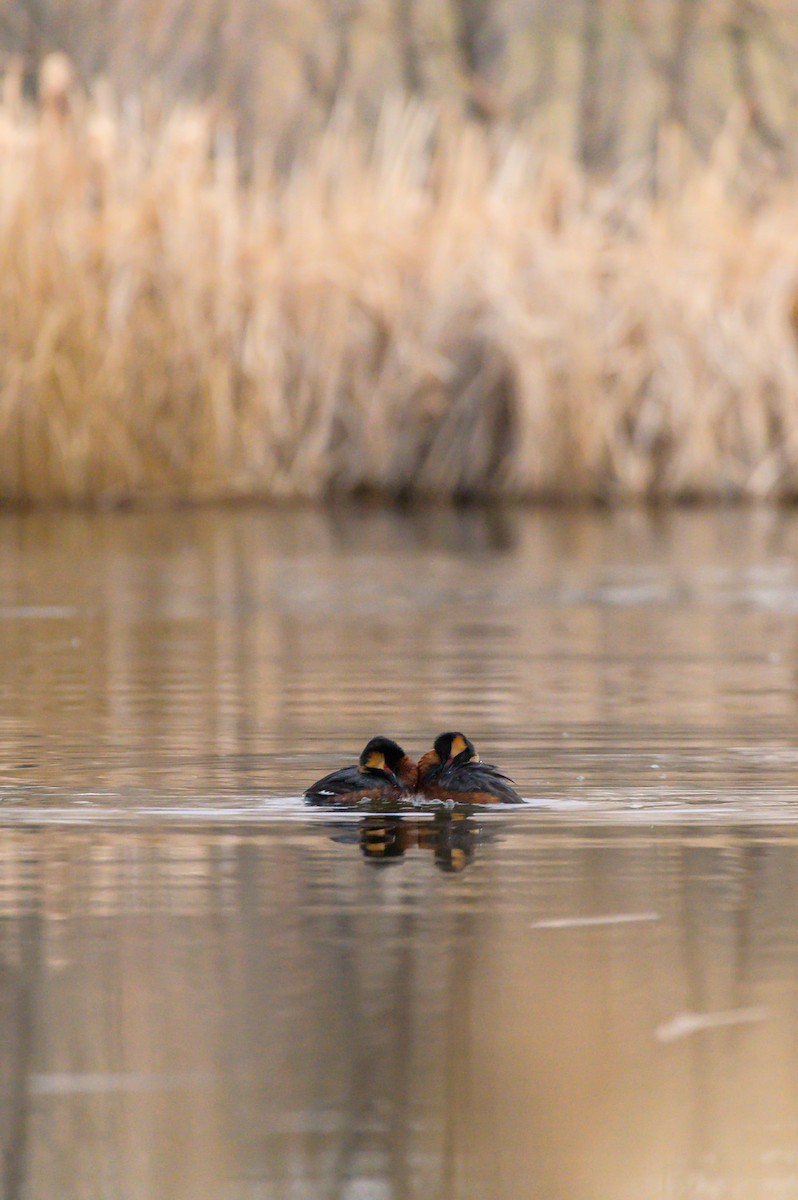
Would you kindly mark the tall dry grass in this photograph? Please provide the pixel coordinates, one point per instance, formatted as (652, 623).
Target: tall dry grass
(432, 309)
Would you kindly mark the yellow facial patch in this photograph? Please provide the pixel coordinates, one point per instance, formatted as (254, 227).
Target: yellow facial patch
(375, 761)
(459, 860)
(458, 746)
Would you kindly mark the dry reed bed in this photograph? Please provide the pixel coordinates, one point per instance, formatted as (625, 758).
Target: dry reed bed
(437, 311)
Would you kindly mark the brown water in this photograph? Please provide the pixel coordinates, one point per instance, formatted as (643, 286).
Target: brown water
(207, 990)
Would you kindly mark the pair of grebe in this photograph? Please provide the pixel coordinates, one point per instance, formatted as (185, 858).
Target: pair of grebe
(452, 770)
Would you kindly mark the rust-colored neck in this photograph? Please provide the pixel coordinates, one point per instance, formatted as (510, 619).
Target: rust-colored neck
(408, 772)
(427, 762)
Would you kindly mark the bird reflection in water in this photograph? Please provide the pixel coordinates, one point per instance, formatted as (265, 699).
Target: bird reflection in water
(450, 837)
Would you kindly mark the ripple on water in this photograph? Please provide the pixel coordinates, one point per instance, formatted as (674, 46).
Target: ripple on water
(591, 996)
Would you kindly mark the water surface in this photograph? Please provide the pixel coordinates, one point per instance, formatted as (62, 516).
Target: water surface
(207, 990)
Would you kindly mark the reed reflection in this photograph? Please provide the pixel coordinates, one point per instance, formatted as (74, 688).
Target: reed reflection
(583, 1013)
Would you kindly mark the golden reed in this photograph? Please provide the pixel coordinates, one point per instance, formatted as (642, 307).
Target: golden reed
(429, 309)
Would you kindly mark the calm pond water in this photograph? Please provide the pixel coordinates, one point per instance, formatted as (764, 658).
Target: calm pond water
(209, 991)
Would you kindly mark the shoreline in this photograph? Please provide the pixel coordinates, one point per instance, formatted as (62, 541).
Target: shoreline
(469, 317)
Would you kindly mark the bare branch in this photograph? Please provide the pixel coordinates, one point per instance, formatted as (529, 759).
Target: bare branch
(481, 44)
(405, 20)
(590, 124)
(679, 63)
(740, 37)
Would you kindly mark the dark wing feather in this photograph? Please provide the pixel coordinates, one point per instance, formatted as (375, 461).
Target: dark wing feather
(337, 783)
(479, 777)
(348, 779)
(493, 767)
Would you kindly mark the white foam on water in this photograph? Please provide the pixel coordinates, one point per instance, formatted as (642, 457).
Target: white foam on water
(72, 1083)
(600, 919)
(686, 1023)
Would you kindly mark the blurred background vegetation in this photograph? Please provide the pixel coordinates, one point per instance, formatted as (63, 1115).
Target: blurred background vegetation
(455, 248)
(600, 75)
